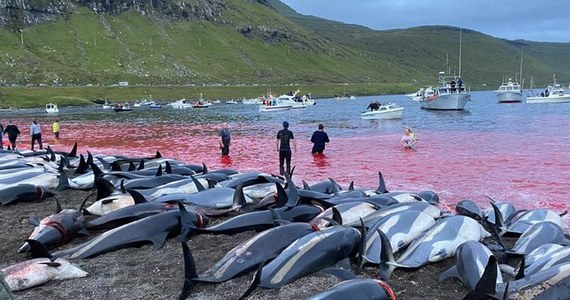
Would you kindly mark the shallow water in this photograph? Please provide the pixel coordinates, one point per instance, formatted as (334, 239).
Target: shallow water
(515, 152)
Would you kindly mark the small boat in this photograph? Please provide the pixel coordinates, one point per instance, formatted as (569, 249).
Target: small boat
(295, 100)
(155, 106)
(553, 94)
(231, 102)
(106, 105)
(201, 104)
(252, 101)
(181, 104)
(217, 101)
(274, 105)
(123, 107)
(509, 92)
(52, 108)
(384, 112)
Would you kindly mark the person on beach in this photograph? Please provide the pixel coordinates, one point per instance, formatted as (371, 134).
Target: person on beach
(55, 129)
(284, 139)
(409, 139)
(36, 134)
(1, 136)
(13, 133)
(319, 138)
(225, 139)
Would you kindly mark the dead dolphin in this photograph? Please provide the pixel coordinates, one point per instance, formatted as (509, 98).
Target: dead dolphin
(23, 192)
(361, 288)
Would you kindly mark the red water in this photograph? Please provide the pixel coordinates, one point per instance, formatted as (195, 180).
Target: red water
(517, 153)
(457, 165)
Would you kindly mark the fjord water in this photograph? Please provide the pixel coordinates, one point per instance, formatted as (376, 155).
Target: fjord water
(515, 152)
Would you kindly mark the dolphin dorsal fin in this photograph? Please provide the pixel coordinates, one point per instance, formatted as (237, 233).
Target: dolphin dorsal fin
(168, 168)
(381, 184)
(158, 171)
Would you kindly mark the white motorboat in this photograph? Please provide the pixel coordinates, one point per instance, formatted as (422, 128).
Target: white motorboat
(144, 103)
(106, 105)
(384, 112)
(181, 104)
(295, 100)
(509, 92)
(52, 108)
(426, 91)
(274, 105)
(217, 101)
(553, 94)
(231, 102)
(450, 94)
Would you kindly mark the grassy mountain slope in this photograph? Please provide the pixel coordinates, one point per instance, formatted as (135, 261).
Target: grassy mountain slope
(255, 43)
(424, 50)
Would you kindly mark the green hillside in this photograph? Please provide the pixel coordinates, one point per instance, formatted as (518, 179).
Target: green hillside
(253, 43)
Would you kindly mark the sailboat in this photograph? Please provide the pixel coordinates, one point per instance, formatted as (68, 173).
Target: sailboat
(450, 94)
(510, 91)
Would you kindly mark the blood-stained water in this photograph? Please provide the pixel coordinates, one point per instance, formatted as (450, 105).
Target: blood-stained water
(513, 152)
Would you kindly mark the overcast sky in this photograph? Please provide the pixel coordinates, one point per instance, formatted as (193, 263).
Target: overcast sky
(533, 20)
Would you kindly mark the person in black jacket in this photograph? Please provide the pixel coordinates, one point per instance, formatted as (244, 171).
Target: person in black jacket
(284, 139)
(13, 133)
(319, 138)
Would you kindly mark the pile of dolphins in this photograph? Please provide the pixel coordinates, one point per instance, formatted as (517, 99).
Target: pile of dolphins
(318, 227)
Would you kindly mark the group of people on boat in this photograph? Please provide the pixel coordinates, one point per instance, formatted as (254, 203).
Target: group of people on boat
(456, 85)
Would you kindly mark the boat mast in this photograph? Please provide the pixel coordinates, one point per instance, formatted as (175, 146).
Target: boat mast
(460, 52)
(520, 71)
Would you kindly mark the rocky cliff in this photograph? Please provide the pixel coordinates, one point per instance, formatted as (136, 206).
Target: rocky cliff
(17, 14)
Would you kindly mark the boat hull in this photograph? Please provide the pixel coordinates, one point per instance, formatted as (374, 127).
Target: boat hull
(509, 97)
(122, 109)
(264, 108)
(455, 101)
(551, 99)
(384, 115)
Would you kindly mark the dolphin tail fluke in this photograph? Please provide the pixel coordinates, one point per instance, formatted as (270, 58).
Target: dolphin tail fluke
(167, 167)
(255, 282)
(38, 249)
(381, 184)
(487, 285)
(189, 272)
(387, 261)
(293, 192)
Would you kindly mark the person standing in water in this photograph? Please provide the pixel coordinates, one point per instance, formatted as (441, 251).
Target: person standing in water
(319, 138)
(13, 133)
(409, 139)
(225, 139)
(36, 134)
(55, 129)
(284, 139)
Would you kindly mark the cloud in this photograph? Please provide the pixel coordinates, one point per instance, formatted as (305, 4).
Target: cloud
(510, 19)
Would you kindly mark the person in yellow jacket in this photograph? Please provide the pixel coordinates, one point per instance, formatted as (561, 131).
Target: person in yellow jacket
(55, 129)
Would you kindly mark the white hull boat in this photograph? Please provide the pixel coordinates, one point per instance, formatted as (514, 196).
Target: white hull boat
(106, 105)
(52, 108)
(509, 92)
(385, 112)
(181, 104)
(275, 105)
(447, 96)
(553, 94)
